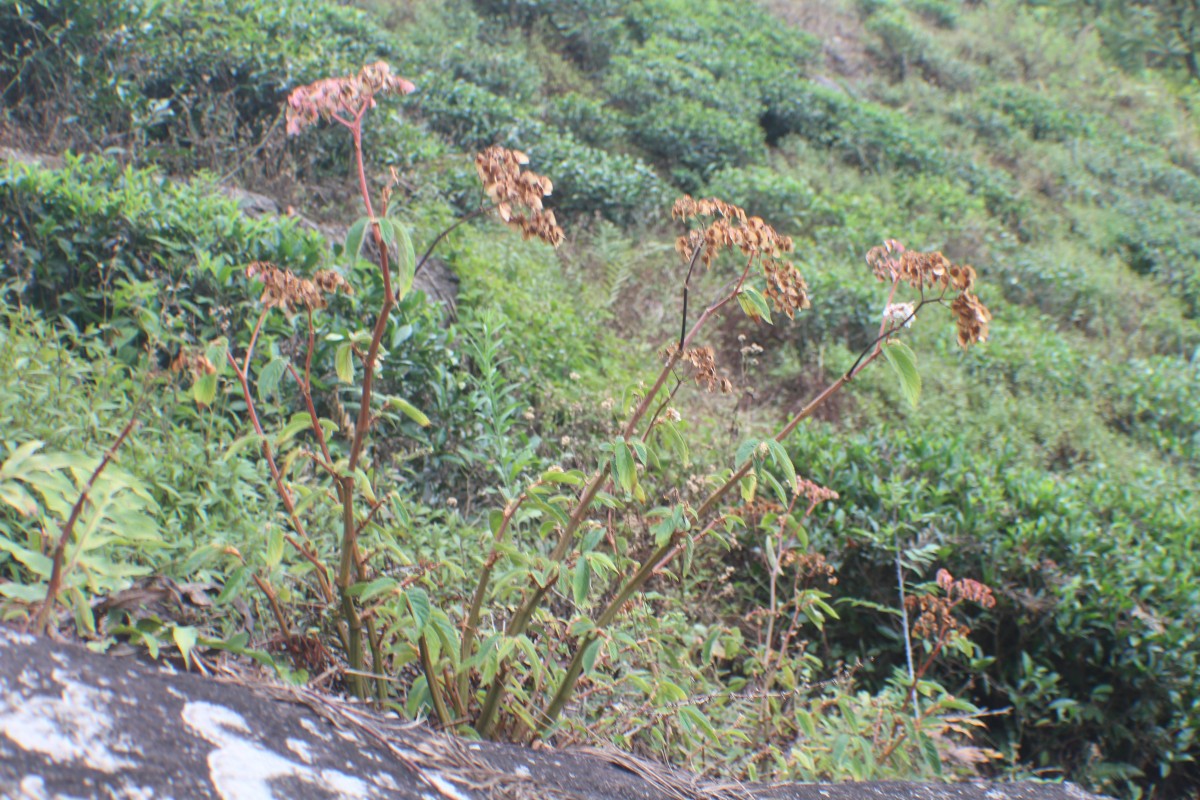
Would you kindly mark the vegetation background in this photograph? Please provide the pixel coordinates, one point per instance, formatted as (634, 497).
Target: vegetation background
(1053, 145)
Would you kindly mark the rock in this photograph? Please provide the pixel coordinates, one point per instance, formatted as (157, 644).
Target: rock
(82, 725)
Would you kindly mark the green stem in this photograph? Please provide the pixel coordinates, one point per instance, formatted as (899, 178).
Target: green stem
(431, 680)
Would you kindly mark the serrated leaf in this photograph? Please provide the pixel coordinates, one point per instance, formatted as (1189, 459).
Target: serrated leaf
(270, 376)
(904, 362)
(754, 304)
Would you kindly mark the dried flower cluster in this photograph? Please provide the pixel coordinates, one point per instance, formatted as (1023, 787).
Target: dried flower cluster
(732, 229)
(935, 617)
(815, 492)
(892, 263)
(965, 589)
(343, 98)
(282, 289)
(810, 566)
(509, 188)
(704, 368)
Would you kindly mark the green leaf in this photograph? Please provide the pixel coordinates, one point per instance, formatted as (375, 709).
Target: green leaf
(931, 753)
(14, 495)
(409, 410)
(589, 656)
(217, 352)
(904, 362)
(700, 720)
(274, 546)
(344, 362)
(754, 304)
(204, 390)
(582, 581)
(624, 467)
(669, 433)
(185, 640)
(839, 748)
(369, 591)
(573, 477)
(418, 603)
(270, 376)
(406, 268)
(298, 423)
(784, 462)
(354, 239)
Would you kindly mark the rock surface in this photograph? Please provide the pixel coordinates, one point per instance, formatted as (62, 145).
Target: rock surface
(75, 724)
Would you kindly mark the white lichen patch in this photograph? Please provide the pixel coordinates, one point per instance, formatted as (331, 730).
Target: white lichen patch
(242, 769)
(13, 637)
(314, 729)
(448, 789)
(301, 749)
(75, 727)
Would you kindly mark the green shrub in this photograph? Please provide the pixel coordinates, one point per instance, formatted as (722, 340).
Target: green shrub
(867, 135)
(100, 243)
(692, 141)
(469, 115)
(176, 82)
(766, 192)
(1042, 117)
(588, 180)
(589, 120)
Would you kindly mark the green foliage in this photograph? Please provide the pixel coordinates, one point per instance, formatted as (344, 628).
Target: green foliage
(154, 260)
(587, 180)
(175, 82)
(1056, 466)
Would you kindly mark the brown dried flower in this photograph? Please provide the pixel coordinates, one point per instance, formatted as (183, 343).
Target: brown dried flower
(344, 98)
(500, 171)
(972, 319)
(786, 287)
(965, 589)
(282, 289)
(891, 262)
(704, 368)
(815, 492)
(733, 229)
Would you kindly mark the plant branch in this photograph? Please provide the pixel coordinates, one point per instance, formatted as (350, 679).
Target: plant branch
(41, 622)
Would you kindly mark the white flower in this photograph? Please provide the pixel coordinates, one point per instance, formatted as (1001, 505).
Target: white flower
(898, 313)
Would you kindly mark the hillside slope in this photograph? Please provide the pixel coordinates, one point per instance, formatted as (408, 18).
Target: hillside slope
(1056, 464)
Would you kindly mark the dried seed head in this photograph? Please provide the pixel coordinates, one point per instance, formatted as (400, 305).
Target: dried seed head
(282, 289)
(509, 188)
(704, 368)
(345, 97)
(972, 319)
